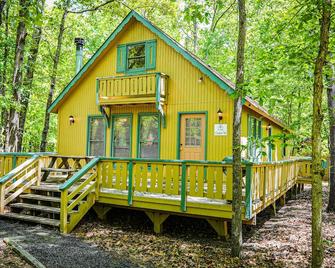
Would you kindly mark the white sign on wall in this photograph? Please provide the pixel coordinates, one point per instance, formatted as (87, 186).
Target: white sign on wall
(220, 129)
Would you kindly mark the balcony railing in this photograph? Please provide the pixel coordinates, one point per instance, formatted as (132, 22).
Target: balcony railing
(134, 89)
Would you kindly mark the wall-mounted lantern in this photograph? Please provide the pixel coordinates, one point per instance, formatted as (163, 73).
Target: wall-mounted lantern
(268, 127)
(71, 120)
(220, 114)
(200, 80)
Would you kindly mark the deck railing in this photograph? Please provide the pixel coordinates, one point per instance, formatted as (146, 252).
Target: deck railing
(9, 161)
(144, 88)
(270, 181)
(18, 180)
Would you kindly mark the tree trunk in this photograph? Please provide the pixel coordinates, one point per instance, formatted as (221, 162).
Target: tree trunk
(331, 112)
(53, 77)
(237, 171)
(3, 81)
(2, 6)
(12, 129)
(195, 36)
(317, 249)
(28, 80)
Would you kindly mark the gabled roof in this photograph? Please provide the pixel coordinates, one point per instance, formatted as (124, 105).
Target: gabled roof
(215, 76)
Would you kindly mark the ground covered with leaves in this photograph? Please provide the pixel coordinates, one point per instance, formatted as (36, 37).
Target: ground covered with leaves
(8, 258)
(283, 240)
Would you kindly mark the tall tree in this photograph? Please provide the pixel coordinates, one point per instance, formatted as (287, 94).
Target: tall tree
(30, 69)
(317, 249)
(237, 169)
(331, 114)
(12, 128)
(3, 79)
(53, 77)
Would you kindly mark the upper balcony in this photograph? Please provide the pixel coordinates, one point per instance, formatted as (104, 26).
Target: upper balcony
(132, 89)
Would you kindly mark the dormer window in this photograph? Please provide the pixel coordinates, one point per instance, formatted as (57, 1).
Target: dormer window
(136, 56)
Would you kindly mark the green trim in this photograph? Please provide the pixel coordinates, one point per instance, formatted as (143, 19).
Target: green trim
(248, 194)
(89, 117)
(138, 132)
(130, 115)
(121, 54)
(66, 185)
(183, 188)
(133, 14)
(150, 46)
(14, 162)
(130, 183)
(178, 131)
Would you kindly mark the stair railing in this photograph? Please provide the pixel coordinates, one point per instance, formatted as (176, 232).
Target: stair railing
(77, 196)
(19, 180)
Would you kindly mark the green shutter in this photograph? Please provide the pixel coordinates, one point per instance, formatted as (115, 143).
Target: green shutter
(150, 54)
(121, 59)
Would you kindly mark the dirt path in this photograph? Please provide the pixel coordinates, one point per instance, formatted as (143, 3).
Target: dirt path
(283, 240)
(55, 250)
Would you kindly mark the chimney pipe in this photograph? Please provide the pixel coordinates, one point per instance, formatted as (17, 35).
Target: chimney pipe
(80, 42)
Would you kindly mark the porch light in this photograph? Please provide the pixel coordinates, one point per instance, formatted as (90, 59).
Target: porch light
(268, 127)
(200, 80)
(220, 114)
(71, 120)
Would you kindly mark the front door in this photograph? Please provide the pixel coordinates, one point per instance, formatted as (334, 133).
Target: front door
(192, 136)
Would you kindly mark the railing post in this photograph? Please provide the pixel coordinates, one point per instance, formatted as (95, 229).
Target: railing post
(130, 183)
(248, 194)
(2, 198)
(183, 187)
(63, 211)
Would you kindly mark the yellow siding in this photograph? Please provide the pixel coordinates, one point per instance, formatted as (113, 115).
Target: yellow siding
(185, 94)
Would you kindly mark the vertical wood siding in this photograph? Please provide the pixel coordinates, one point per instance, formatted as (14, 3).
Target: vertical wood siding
(185, 94)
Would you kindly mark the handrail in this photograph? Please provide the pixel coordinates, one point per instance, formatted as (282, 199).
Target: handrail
(18, 169)
(66, 185)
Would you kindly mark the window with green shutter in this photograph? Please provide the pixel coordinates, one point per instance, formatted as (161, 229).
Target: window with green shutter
(136, 57)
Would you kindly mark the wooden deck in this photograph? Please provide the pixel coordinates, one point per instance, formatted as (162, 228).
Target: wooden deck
(159, 187)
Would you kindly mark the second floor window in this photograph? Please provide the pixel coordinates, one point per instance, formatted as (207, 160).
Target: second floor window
(136, 56)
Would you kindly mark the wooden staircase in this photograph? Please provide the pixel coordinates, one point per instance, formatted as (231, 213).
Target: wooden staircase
(58, 197)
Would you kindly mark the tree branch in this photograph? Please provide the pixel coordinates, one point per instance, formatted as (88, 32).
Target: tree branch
(93, 8)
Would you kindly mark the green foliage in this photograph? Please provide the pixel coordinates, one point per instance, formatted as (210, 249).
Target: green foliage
(282, 39)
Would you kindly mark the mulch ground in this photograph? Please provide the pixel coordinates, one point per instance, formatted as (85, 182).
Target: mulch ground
(283, 240)
(8, 258)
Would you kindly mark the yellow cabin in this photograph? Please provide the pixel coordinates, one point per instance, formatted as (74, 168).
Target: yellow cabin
(142, 95)
(147, 125)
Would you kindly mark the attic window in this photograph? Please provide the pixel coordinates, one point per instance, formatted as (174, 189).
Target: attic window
(136, 56)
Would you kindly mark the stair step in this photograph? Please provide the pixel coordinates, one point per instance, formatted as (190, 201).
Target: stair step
(46, 187)
(22, 217)
(47, 209)
(40, 197)
(58, 170)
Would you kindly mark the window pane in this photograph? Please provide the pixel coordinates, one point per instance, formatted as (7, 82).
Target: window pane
(149, 130)
(97, 129)
(121, 139)
(97, 148)
(136, 51)
(193, 132)
(97, 137)
(136, 56)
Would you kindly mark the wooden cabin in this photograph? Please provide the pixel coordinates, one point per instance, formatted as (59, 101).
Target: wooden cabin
(142, 95)
(146, 124)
